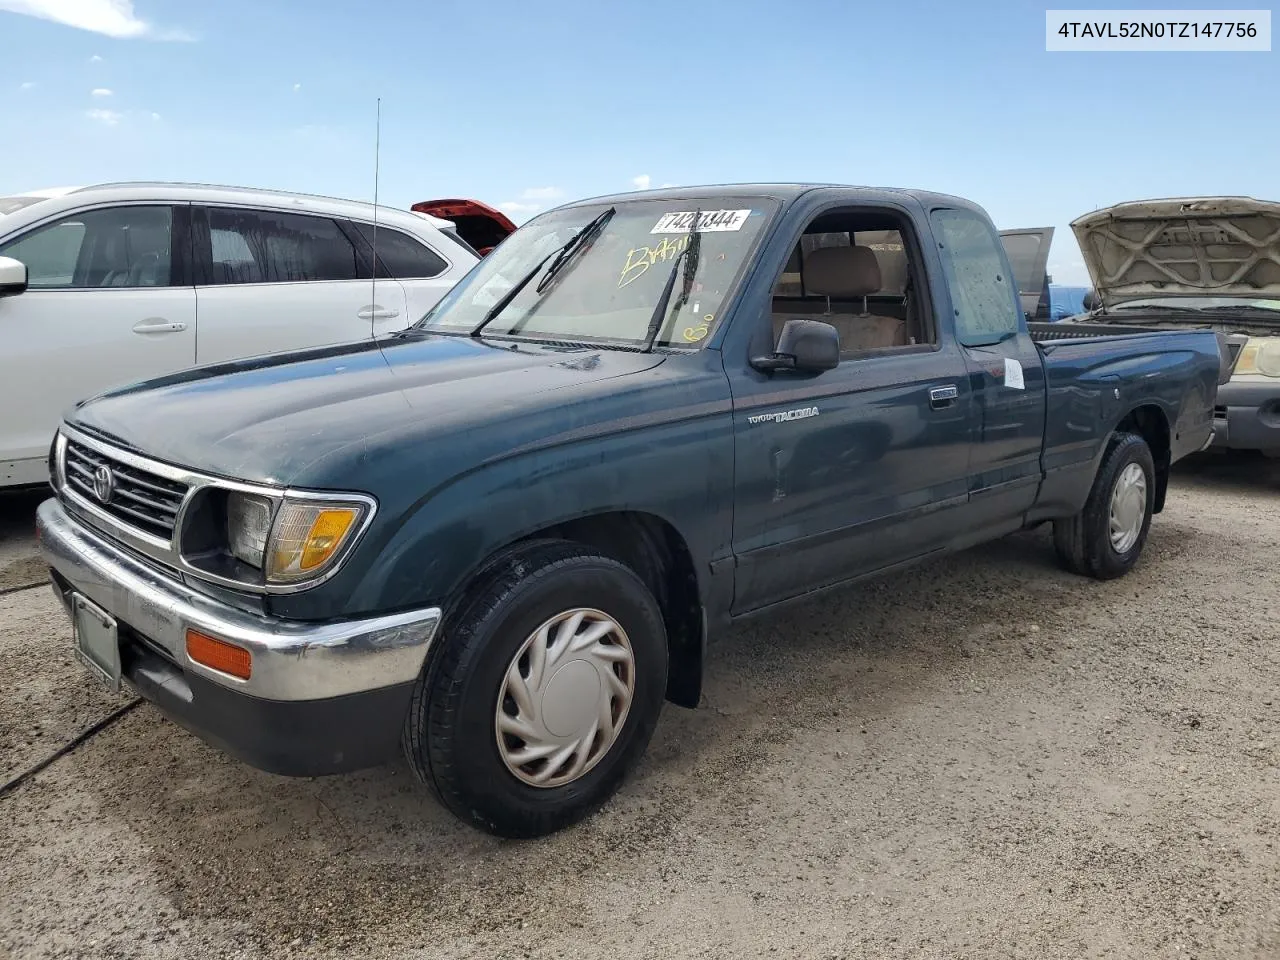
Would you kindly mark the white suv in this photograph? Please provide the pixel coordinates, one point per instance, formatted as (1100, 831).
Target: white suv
(132, 280)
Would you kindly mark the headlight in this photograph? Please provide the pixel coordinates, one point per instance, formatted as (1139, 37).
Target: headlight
(293, 539)
(248, 526)
(1260, 355)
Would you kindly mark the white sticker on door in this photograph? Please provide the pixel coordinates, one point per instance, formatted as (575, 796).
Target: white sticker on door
(709, 221)
(1013, 375)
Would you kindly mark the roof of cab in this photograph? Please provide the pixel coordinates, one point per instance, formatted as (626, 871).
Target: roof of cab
(785, 192)
(215, 193)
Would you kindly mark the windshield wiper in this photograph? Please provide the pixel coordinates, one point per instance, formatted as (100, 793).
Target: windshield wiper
(1156, 308)
(689, 255)
(561, 256)
(579, 242)
(1243, 308)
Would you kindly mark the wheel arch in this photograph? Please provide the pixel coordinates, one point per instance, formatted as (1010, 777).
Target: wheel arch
(1150, 422)
(655, 550)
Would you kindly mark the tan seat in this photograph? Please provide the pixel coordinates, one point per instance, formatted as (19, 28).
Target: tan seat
(847, 273)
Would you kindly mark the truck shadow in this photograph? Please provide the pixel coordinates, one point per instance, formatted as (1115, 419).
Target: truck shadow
(1242, 471)
(323, 859)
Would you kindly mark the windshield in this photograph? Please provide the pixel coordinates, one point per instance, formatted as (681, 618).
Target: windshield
(14, 204)
(606, 292)
(1199, 303)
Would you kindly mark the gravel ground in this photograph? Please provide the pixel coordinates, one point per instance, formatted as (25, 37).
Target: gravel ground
(19, 563)
(983, 757)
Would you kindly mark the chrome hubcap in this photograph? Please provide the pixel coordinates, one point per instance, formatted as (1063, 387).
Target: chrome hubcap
(565, 697)
(1128, 507)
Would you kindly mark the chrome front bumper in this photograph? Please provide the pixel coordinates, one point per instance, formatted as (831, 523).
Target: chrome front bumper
(292, 660)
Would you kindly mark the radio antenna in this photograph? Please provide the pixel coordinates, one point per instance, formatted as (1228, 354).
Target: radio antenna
(373, 275)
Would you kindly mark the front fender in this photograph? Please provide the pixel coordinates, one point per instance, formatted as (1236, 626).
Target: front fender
(680, 471)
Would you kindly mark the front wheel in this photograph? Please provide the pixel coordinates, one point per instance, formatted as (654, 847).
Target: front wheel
(1105, 539)
(546, 688)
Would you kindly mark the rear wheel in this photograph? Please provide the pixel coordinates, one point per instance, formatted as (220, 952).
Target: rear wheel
(1105, 539)
(546, 688)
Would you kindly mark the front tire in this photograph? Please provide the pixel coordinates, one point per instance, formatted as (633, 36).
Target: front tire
(1105, 539)
(546, 688)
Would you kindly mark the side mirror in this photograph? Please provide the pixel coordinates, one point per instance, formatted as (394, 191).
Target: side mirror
(13, 277)
(806, 346)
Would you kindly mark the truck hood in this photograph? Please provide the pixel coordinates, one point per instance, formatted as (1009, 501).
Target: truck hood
(274, 419)
(1182, 247)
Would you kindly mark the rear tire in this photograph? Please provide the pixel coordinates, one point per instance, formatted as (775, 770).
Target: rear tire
(1105, 539)
(545, 689)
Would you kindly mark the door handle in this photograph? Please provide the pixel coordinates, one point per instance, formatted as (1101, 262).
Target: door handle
(375, 312)
(159, 325)
(943, 397)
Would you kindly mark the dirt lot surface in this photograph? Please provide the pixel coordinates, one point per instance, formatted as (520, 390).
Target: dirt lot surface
(985, 757)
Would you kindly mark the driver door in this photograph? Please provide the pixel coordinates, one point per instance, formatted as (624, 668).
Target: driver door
(848, 471)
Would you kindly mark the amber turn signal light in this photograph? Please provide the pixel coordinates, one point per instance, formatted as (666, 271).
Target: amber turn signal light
(219, 655)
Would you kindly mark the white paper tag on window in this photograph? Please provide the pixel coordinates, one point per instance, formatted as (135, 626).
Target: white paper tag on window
(1013, 375)
(709, 221)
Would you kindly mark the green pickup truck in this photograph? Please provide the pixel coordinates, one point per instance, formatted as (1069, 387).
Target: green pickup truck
(500, 539)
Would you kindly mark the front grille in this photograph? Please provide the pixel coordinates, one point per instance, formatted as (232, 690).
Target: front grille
(138, 498)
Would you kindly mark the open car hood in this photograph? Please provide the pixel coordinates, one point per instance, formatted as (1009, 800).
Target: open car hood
(1028, 252)
(1182, 247)
(479, 224)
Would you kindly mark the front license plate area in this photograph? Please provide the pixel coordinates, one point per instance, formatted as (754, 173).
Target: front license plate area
(97, 642)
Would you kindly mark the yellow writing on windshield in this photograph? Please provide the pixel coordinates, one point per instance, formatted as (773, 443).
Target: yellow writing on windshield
(698, 331)
(640, 259)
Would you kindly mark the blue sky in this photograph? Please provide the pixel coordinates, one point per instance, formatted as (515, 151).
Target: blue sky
(526, 104)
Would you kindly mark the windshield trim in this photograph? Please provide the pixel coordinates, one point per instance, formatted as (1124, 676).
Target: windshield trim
(770, 206)
(1199, 304)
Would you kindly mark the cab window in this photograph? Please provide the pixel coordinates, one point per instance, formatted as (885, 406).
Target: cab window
(856, 270)
(982, 293)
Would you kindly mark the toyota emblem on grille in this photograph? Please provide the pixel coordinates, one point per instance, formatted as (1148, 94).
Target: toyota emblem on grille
(104, 483)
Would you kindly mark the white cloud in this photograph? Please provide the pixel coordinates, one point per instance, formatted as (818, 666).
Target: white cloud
(112, 18)
(542, 193)
(100, 92)
(1071, 273)
(27, 85)
(108, 118)
(531, 200)
(518, 208)
(95, 59)
(297, 87)
(640, 183)
(155, 117)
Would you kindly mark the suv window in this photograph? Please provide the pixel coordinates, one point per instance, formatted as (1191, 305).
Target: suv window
(973, 258)
(402, 257)
(262, 246)
(111, 247)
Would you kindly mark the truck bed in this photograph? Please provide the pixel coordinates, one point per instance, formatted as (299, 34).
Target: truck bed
(1046, 334)
(1042, 332)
